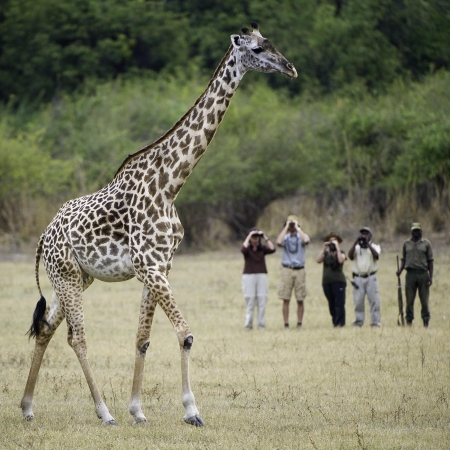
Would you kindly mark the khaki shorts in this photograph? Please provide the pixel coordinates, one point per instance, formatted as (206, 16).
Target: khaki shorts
(291, 279)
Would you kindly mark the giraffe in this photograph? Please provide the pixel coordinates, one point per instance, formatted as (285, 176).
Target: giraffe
(130, 228)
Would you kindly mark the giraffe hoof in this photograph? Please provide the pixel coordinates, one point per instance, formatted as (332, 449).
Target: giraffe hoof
(111, 422)
(28, 417)
(142, 422)
(194, 420)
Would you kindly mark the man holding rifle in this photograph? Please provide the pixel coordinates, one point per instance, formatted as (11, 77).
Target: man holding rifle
(417, 259)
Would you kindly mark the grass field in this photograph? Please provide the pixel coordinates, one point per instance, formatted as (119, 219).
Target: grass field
(318, 388)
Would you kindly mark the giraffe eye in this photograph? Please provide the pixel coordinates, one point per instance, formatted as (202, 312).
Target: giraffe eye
(257, 50)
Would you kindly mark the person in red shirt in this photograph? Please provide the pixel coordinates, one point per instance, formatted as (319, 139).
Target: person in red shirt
(254, 278)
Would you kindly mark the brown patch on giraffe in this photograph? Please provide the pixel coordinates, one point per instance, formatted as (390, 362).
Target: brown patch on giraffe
(209, 134)
(113, 249)
(159, 202)
(211, 118)
(163, 179)
(220, 115)
(180, 133)
(182, 170)
(198, 150)
(209, 103)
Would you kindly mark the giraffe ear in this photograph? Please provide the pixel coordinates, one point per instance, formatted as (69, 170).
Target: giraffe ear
(236, 40)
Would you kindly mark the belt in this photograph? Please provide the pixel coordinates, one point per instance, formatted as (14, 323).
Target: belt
(293, 267)
(417, 270)
(364, 276)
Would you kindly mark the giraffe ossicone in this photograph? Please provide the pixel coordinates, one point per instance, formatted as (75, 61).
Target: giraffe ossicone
(130, 228)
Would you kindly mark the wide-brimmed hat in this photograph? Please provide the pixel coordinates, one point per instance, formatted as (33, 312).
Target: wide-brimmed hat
(365, 229)
(331, 235)
(292, 217)
(416, 226)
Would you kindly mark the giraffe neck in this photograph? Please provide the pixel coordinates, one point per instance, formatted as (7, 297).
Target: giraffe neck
(169, 161)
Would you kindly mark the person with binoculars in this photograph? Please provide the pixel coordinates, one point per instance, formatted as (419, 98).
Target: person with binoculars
(293, 240)
(365, 254)
(333, 278)
(254, 278)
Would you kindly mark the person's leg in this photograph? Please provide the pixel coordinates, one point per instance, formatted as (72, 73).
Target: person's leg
(249, 290)
(300, 311)
(424, 293)
(327, 290)
(262, 291)
(410, 293)
(285, 291)
(358, 301)
(373, 295)
(339, 303)
(286, 313)
(300, 293)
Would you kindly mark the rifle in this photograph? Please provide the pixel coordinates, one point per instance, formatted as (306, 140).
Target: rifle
(400, 318)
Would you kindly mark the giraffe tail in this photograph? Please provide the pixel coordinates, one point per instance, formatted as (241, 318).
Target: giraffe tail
(41, 306)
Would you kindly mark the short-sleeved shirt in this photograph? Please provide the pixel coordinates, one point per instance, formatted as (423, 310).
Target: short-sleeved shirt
(417, 254)
(363, 260)
(293, 250)
(332, 271)
(255, 261)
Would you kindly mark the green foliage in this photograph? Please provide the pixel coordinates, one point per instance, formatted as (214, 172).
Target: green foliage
(27, 173)
(49, 46)
(268, 147)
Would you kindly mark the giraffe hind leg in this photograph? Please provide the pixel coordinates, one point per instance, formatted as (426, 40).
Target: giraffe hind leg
(45, 322)
(71, 295)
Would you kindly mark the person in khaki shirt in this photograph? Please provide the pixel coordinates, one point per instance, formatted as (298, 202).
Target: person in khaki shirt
(364, 254)
(417, 259)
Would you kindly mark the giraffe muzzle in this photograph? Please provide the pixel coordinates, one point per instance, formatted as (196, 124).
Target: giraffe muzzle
(291, 73)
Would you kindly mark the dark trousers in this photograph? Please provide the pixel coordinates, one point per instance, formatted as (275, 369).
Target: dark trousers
(335, 294)
(416, 280)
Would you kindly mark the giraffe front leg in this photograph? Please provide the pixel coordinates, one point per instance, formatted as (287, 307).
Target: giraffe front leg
(162, 292)
(147, 312)
(192, 415)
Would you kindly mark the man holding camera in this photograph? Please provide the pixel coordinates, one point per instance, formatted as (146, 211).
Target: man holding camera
(365, 254)
(293, 240)
(417, 259)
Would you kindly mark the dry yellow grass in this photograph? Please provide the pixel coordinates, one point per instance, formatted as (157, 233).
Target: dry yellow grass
(319, 388)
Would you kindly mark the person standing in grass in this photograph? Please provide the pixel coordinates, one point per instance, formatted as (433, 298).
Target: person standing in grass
(254, 278)
(333, 278)
(417, 259)
(293, 240)
(365, 254)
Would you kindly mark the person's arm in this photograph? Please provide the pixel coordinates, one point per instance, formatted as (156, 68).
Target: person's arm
(321, 255)
(280, 238)
(402, 262)
(303, 235)
(269, 243)
(247, 239)
(351, 252)
(340, 256)
(430, 272)
(375, 254)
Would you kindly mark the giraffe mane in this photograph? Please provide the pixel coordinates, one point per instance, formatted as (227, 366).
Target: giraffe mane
(168, 133)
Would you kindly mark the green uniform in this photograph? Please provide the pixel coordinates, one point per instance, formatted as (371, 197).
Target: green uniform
(416, 256)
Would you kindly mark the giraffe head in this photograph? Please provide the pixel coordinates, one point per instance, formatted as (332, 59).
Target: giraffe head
(257, 53)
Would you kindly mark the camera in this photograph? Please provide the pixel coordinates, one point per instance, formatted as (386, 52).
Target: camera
(257, 234)
(332, 247)
(362, 241)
